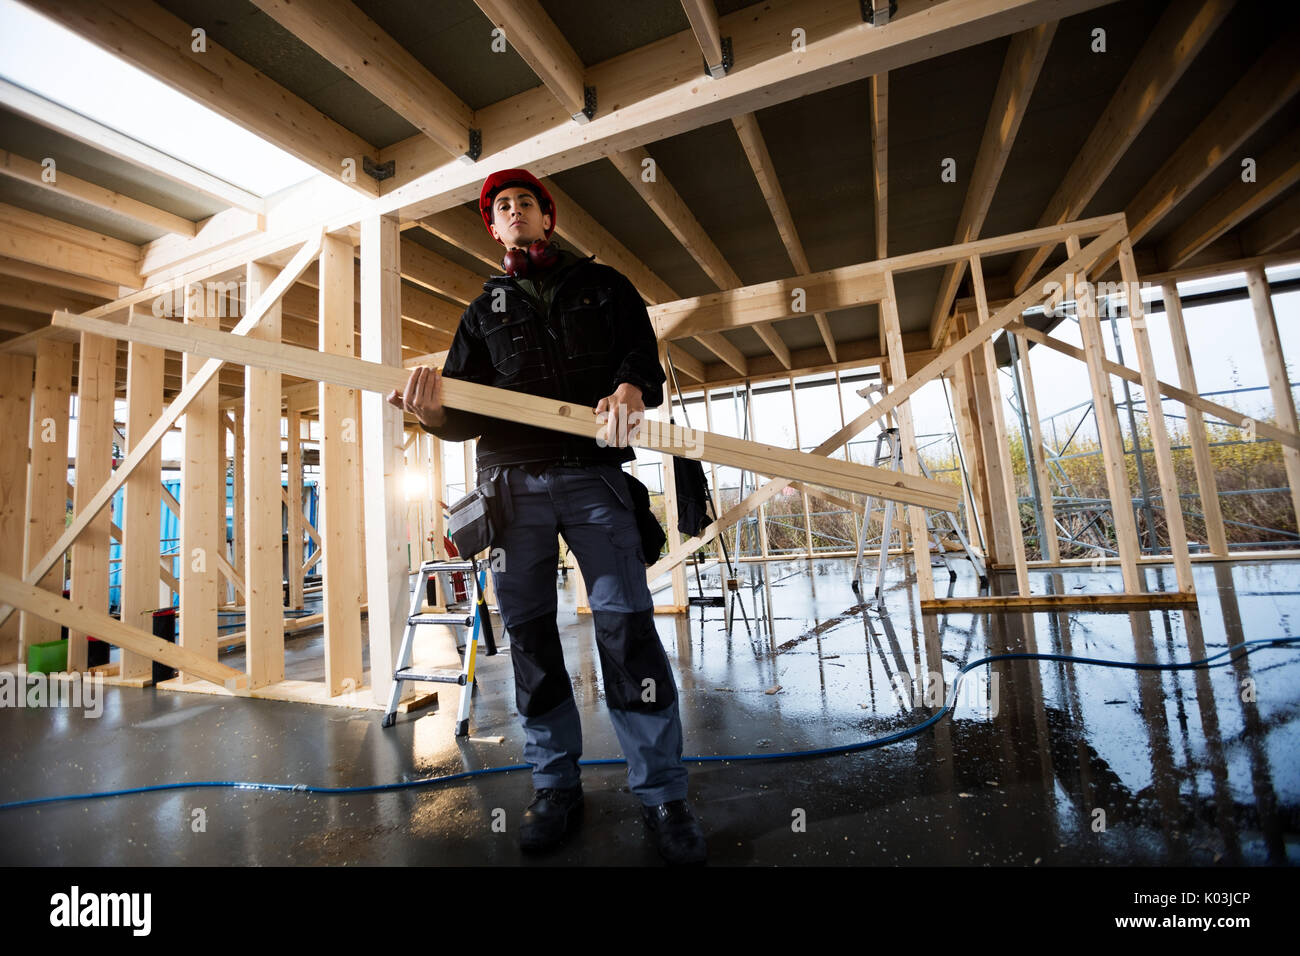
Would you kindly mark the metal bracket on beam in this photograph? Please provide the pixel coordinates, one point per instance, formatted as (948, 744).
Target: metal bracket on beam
(378, 171)
(869, 13)
(475, 146)
(589, 105)
(719, 70)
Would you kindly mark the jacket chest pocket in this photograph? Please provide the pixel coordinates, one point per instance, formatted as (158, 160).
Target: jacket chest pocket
(588, 322)
(512, 343)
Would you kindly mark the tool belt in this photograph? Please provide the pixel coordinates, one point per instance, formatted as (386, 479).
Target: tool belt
(475, 521)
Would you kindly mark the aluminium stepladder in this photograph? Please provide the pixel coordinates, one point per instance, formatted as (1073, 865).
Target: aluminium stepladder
(471, 615)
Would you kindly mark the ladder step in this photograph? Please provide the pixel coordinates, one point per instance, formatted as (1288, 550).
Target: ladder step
(436, 675)
(433, 566)
(456, 620)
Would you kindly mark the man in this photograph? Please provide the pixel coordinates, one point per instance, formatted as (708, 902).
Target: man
(567, 328)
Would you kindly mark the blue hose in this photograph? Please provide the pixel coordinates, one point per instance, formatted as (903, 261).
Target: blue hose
(1246, 647)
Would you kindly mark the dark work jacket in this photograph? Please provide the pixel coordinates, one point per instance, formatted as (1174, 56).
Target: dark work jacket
(596, 336)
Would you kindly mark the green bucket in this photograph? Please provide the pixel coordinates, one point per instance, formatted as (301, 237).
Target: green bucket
(48, 658)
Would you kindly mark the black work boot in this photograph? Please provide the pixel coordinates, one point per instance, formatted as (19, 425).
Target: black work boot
(676, 831)
(553, 815)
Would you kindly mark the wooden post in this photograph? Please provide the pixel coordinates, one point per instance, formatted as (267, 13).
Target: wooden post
(16, 379)
(807, 519)
(96, 374)
(907, 434)
(1010, 498)
(1156, 418)
(340, 477)
(439, 496)
(997, 521)
(663, 413)
(238, 493)
(1206, 482)
(1278, 383)
(263, 551)
(763, 508)
(200, 465)
(1112, 443)
(967, 444)
(713, 472)
(48, 480)
(140, 520)
(294, 513)
(1049, 545)
(388, 581)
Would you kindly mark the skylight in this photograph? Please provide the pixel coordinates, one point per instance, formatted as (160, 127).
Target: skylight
(47, 59)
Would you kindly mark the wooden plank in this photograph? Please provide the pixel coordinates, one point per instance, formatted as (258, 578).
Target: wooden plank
(388, 583)
(96, 372)
(1181, 33)
(293, 503)
(132, 640)
(463, 229)
(34, 297)
(140, 518)
(1049, 545)
(533, 410)
(538, 41)
(107, 140)
(879, 98)
(1276, 227)
(16, 384)
(239, 495)
(178, 406)
(703, 17)
(1279, 384)
(47, 479)
(1020, 71)
(719, 345)
(34, 174)
(1168, 478)
(1050, 602)
(798, 443)
(45, 242)
(152, 39)
(1206, 482)
(263, 551)
(670, 495)
(1002, 443)
(64, 281)
(999, 523)
(438, 274)
(201, 471)
(340, 512)
(907, 435)
(341, 33)
(971, 448)
(1108, 431)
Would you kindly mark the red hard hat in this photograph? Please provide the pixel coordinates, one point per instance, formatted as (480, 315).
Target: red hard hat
(514, 177)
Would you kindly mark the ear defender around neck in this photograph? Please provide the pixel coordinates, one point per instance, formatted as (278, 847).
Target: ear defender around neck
(540, 256)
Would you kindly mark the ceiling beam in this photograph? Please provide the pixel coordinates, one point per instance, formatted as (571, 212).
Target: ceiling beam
(538, 41)
(703, 17)
(59, 280)
(1020, 72)
(716, 343)
(347, 38)
(1181, 33)
(434, 272)
(1275, 227)
(464, 229)
(42, 241)
(33, 173)
(1277, 171)
(686, 363)
(34, 297)
(154, 40)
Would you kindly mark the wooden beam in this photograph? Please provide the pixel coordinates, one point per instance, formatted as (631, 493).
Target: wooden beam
(264, 597)
(1278, 170)
(340, 510)
(132, 640)
(438, 274)
(30, 237)
(164, 424)
(16, 382)
(1181, 33)
(1279, 384)
(1168, 478)
(538, 41)
(64, 281)
(1002, 444)
(211, 235)
(703, 17)
(1206, 483)
(341, 33)
(96, 372)
(293, 501)
(1053, 602)
(33, 297)
(107, 140)
(1276, 227)
(718, 344)
(1020, 71)
(34, 174)
(688, 364)
(1049, 546)
(388, 583)
(152, 39)
(463, 229)
(1108, 431)
(533, 410)
(880, 158)
(140, 519)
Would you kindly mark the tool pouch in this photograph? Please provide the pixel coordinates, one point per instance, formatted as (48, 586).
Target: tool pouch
(475, 521)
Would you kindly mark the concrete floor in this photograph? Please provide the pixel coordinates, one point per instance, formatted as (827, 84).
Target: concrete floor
(1077, 765)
